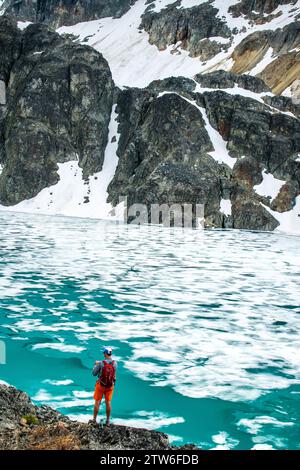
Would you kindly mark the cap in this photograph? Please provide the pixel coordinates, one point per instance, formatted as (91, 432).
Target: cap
(107, 350)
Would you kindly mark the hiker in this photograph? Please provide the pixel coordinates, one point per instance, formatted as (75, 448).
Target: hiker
(106, 371)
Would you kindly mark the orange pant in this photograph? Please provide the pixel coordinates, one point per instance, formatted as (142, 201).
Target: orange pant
(100, 390)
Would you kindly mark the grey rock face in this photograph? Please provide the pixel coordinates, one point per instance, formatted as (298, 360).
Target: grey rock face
(248, 7)
(192, 27)
(252, 129)
(66, 12)
(10, 46)
(249, 215)
(283, 103)
(51, 430)
(221, 80)
(163, 154)
(59, 100)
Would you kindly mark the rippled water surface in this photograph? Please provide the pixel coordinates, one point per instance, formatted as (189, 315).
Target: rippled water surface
(205, 325)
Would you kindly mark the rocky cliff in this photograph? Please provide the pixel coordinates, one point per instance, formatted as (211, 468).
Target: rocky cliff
(65, 12)
(249, 33)
(24, 426)
(220, 138)
(167, 148)
(58, 104)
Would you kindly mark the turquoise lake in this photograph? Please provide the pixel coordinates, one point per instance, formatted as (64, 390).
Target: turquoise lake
(205, 326)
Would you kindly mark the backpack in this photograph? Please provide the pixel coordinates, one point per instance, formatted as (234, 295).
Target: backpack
(108, 374)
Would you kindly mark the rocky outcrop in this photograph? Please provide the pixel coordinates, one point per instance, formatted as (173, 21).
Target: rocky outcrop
(24, 426)
(163, 153)
(191, 27)
(204, 33)
(59, 101)
(252, 129)
(283, 103)
(165, 149)
(285, 67)
(65, 12)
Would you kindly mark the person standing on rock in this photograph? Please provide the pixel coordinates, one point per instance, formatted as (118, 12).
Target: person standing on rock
(106, 372)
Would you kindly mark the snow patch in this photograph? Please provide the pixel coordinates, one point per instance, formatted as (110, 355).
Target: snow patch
(290, 220)
(161, 4)
(262, 447)
(220, 154)
(1, 9)
(226, 207)
(270, 186)
(191, 3)
(224, 441)
(23, 24)
(218, 39)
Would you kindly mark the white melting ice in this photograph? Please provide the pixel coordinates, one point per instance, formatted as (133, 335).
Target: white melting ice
(149, 420)
(58, 383)
(141, 419)
(161, 4)
(265, 61)
(254, 426)
(224, 339)
(23, 24)
(59, 347)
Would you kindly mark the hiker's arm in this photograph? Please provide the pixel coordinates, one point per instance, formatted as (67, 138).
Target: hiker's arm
(97, 368)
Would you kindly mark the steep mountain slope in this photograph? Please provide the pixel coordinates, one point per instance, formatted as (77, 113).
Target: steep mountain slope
(217, 137)
(242, 36)
(59, 102)
(62, 12)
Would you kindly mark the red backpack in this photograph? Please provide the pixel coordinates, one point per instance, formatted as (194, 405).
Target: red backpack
(108, 374)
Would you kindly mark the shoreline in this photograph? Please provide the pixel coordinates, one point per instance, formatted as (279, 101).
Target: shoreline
(25, 426)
